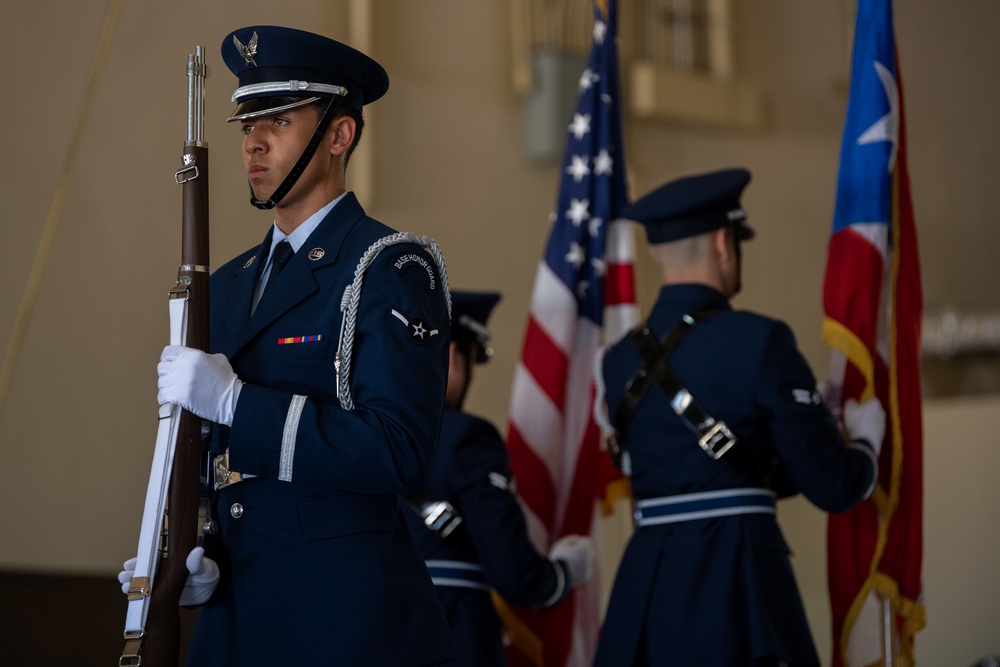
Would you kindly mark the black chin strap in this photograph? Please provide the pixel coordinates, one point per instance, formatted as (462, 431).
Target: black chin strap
(739, 258)
(300, 166)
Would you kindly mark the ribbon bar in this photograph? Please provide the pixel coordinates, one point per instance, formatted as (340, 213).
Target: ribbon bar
(291, 340)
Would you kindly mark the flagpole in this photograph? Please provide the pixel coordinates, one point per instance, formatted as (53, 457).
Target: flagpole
(890, 647)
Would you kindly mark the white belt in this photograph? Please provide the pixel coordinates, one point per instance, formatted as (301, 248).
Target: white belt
(457, 573)
(704, 505)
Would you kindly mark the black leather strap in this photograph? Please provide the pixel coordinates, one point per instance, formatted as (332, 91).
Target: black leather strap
(714, 436)
(652, 354)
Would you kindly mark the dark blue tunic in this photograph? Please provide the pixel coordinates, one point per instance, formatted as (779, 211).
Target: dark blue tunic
(317, 564)
(721, 591)
(472, 472)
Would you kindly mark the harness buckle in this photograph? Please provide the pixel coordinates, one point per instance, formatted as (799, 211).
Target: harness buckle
(223, 475)
(440, 516)
(131, 654)
(138, 588)
(717, 440)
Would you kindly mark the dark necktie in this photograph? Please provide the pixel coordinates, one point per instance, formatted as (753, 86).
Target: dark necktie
(282, 253)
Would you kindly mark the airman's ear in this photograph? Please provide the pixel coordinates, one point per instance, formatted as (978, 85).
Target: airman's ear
(342, 130)
(720, 242)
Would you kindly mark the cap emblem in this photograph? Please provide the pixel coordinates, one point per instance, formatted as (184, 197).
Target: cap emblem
(249, 51)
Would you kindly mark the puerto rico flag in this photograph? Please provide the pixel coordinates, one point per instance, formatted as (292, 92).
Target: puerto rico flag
(873, 305)
(584, 294)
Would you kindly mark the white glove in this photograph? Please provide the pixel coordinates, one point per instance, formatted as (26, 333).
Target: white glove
(203, 577)
(202, 581)
(865, 420)
(578, 553)
(125, 576)
(204, 384)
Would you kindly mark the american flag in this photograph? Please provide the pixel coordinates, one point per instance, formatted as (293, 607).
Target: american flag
(587, 269)
(873, 304)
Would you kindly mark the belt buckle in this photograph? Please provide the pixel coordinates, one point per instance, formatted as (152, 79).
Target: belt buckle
(717, 440)
(223, 475)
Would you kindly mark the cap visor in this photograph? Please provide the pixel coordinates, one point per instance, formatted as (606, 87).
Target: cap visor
(265, 106)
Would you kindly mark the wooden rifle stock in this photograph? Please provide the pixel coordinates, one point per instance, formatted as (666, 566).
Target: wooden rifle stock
(160, 644)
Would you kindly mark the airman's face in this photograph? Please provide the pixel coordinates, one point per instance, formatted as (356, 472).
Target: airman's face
(273, 144)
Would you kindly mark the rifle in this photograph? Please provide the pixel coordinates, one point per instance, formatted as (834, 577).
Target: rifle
(170, 520)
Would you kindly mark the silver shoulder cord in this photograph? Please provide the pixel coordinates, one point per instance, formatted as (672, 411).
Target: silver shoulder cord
(600, 416)
(352, 298)
(600, 409)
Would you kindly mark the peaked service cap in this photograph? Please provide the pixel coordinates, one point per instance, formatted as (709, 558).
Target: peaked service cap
(283, 68)
(692, 205)
(469, 313)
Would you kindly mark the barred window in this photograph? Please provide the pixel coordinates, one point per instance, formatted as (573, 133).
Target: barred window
(686, 35)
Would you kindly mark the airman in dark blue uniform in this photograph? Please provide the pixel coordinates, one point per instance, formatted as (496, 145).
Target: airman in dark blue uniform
(326, 389)
(467, 520)
(717, 414)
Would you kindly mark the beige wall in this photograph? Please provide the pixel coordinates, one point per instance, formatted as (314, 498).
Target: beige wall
(78, 420)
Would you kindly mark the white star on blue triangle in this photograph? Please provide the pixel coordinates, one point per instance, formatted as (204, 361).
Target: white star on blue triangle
(871, 129)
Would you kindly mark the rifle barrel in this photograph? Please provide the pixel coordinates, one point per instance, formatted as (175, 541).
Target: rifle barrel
(160, 637)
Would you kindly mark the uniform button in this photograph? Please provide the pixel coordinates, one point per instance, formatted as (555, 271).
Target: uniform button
(236, 510)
